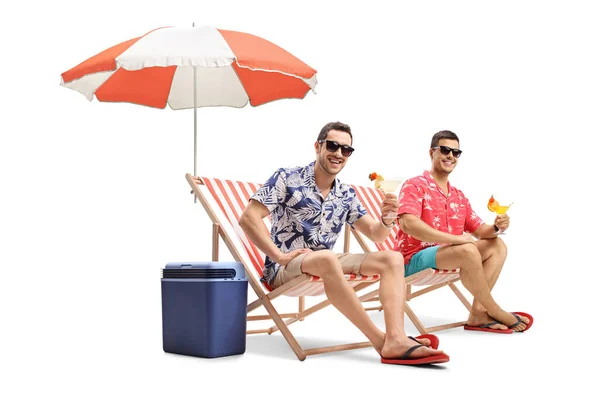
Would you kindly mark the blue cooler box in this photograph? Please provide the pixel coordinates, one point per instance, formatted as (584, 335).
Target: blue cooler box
(204, 308)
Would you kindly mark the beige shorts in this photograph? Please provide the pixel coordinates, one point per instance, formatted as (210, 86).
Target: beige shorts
(350, 265)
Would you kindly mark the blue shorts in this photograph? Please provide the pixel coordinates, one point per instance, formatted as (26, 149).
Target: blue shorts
(422, 260)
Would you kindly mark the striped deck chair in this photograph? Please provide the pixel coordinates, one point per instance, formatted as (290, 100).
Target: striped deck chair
(433, 279)
(229, 198)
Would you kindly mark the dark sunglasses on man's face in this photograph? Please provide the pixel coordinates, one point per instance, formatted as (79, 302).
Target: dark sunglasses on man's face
(332, 146)
(445, 150)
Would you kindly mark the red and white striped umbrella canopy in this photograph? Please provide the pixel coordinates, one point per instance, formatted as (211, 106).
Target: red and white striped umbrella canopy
(231, 69)
(190, 68)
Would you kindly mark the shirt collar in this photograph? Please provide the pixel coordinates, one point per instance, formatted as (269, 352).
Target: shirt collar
(309, 174)
(431, 180)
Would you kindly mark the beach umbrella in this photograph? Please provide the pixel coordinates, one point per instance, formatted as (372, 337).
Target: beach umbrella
(190, 68)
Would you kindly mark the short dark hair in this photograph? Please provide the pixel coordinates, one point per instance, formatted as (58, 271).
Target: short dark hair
(435, 140)
(336, 126)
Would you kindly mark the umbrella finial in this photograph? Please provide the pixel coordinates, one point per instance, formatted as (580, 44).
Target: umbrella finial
(193, 24)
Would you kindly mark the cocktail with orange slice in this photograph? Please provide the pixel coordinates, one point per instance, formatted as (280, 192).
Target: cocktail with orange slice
(494, 206)
(380, 183)
(387, 186)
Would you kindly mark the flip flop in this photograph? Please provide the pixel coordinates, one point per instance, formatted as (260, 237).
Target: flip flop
(404, 360)
(435, 342)
(486, 328)
(522, 314)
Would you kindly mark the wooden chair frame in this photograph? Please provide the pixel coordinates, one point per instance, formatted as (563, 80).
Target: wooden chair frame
(266, 297)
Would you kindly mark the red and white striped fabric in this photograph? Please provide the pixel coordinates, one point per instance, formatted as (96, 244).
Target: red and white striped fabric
(314, 286)
(232, 198)
(371, 199)
(163, 66)
(435, 276)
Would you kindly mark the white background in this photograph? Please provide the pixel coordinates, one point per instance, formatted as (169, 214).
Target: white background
(94, 201)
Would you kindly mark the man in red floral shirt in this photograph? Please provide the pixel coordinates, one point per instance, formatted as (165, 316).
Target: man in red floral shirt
(439, 230)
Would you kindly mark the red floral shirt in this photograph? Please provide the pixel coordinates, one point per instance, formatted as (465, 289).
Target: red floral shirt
(423, 197)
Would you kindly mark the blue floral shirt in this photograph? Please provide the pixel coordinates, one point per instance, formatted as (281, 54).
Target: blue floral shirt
(300, 217)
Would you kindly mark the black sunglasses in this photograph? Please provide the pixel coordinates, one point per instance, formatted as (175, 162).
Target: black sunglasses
(332, 146)
(445, 150)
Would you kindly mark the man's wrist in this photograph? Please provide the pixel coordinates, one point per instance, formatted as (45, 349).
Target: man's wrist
(388, 226)
(278, 258)
(496, 229)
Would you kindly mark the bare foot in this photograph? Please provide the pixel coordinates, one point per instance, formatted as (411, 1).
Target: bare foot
(482, 318)
(398, 347)
(414, 340)
(508, 319)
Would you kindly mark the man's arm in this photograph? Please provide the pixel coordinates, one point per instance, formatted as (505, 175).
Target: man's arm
(485, 231)
(413, 226)
(372, 229)
(253, 226)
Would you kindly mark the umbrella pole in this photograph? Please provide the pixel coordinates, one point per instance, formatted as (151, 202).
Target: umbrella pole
(195, 128)
(195, 124)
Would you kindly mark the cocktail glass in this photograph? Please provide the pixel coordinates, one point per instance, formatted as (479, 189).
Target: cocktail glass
(494, 206)
(388, 187)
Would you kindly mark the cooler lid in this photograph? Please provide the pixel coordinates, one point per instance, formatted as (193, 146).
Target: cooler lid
(213, 269)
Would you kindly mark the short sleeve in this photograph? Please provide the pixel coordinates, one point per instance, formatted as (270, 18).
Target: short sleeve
(472, 220)
(273, 192)
(357, 210)
(410, 199)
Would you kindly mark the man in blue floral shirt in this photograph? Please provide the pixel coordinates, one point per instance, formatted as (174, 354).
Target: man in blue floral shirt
(309, 207)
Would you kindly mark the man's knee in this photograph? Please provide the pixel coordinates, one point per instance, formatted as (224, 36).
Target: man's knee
(468, 253)
(500, 248)
(391, 261)
(323, 263)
